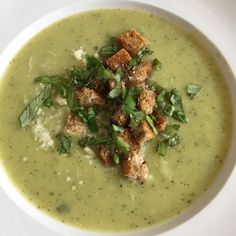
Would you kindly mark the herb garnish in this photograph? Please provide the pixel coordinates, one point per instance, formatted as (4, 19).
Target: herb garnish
(193, 90)
(157, 64)
(31, 109)
(65, 143)
(168, 139)
(107, 97)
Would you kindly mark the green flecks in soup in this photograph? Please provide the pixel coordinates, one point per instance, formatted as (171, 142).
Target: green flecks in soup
(76, 188)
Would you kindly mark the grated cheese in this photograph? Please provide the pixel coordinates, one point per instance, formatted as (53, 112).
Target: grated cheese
(79, 54)
(41, 134)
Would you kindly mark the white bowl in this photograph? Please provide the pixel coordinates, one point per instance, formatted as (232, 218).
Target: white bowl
(212, 45)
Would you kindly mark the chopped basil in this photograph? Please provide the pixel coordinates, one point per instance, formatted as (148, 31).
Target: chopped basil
(173, 140)
(91, 141)
(65, 144)
(193, 90)
(157, 64)
(143, 52)
(169, 109)
(106, 74)
(174, 96)
(132, 63)
(91, 119)
(117, 91)
(122, 145)
(117, 128)
(180, 116)
(161, 148)
(151, 123)
(170, 128)
(129, 103)
(110, 49)
(31, 109)
(107, 51)
(116, 159)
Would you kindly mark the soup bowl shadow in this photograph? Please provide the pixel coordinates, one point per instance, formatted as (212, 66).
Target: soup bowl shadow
(83, 6)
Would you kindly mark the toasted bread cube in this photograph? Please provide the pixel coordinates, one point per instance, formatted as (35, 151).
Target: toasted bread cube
(133, 41)
(119, 118)
(146, 101)
(105, 155)
(74, 126)
(97, 84)
(139, 74)
(143, 133)
(120, 59)
(134, 167)
(161, 122)
(89, 97)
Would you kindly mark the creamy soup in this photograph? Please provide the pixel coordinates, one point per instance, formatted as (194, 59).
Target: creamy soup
(77, 189)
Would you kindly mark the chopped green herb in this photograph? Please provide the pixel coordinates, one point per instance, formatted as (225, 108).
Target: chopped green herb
(143, 52)
(132, 63)
(151, 123)
(170, 128)
(117, 128)
(107, 51)
(117, 91)
(110, 49)
(129, 103)
(161, 148)
(173, 140)
(105, 74)
(122, 145)
(116, 159)
(180, 116)
(31, 109)
(169, 109)
(157, 64)
(193, 90)
(91, 141)
(174, 96)
(65, 144)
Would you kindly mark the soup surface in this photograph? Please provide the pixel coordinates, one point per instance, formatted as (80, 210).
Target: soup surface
(76, 188)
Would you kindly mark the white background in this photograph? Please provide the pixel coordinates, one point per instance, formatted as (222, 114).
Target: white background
(219, 218)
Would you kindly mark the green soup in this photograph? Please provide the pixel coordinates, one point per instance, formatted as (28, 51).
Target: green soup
(77, 189)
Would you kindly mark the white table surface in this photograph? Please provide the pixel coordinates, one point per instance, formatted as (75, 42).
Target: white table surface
(218, 219)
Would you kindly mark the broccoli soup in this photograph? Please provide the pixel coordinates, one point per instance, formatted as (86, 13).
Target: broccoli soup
(113, 127)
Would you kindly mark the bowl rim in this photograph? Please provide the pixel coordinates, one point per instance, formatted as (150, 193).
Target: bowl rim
(89, 5)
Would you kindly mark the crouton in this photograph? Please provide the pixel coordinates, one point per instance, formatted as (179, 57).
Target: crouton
(161, 122)
(133, 41)
(89, 97)
(120, 59)
(146, 101)
(139, 74)
(143, 133)
(105, 155)
(135, 167)
(119, 118)
(74, 126)
(97, 84)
